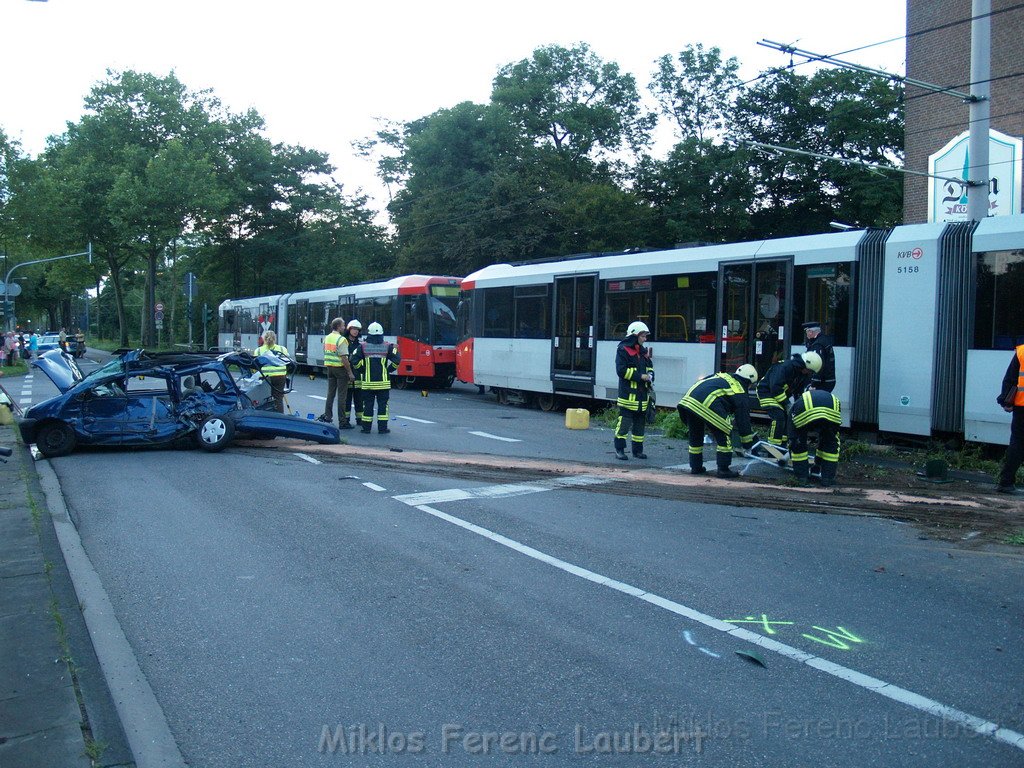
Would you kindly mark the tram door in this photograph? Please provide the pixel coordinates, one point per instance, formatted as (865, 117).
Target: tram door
(573, 348)
(301, 330)
(754, 314)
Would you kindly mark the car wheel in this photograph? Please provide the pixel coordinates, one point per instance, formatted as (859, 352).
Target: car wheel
(547, 402)
(55, 439)
(215, 433)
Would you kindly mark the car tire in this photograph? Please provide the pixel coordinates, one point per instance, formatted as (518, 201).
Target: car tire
(55, 439)
(215, 433)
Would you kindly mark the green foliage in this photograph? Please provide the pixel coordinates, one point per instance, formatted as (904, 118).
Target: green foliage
(851, 448)
(696, 90)
(1016, 538)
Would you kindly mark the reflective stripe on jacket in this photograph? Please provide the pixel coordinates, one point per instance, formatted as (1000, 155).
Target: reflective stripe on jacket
(332, 351)
(374, 362)
(721, 401)
(632, 361)
(816, 405)
(272, 370)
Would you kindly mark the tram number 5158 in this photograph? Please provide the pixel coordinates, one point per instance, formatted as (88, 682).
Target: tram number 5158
(907, 270)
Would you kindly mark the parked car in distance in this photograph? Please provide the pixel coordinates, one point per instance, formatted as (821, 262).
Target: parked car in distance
(142, 398)
(47, 342)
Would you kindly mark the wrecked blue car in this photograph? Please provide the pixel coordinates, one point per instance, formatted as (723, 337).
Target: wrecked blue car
(142, 398)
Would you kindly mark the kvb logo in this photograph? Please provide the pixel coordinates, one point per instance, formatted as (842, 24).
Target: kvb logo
(913, 253)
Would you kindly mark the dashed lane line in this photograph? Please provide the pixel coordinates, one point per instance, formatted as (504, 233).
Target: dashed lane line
(310, 459)
(502, 491)
(873, 684)
(496, 437)
(374, 487)
(411, 418)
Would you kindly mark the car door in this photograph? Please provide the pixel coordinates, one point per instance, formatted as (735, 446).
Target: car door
(149, 412)
(103, 408)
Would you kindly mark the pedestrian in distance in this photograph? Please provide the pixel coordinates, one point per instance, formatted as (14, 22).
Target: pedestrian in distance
(33, 344)
(783, 381)
(62, 339)
(353, 400)
(276, 373)
(821, 344)
(1011, 399)
(375, 360)
(339, 373)
(635, 370)
(815, 411)
(717, 404)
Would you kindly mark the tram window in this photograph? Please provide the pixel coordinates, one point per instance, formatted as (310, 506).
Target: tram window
(533, 312)
(498, 312)
(685, 308)
(624, 302)
(822, 293)
(998, 310)
(227, 320)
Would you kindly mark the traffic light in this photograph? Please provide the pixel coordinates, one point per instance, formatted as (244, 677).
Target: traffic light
(207, 314)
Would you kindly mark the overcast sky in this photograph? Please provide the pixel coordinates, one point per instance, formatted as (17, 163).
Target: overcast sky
(321, 71)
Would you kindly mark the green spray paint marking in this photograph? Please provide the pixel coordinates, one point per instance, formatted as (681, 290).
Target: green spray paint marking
(833, 637)
(840, 637)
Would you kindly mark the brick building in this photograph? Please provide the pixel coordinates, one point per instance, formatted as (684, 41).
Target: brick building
(939, 52)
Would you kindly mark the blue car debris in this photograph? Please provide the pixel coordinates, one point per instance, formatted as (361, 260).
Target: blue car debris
(142, 398)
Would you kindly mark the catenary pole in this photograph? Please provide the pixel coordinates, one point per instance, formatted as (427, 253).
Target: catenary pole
(980, 105)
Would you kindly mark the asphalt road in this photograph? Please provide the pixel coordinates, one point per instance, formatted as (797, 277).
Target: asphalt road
(287, 612)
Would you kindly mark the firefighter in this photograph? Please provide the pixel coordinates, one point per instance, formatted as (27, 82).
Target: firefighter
(782, 381)
(815, 410)
(816, 341)
(716, 404)
(636, 377)
(277, 374)
(353, 400)
(375, 360)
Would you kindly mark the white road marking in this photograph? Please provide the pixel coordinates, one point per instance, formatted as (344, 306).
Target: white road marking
(410, 418)
(710, 653)
(310, 459)
(373, 486)
(317, 397)
(873, 684)
(496, 437)
(498, 491)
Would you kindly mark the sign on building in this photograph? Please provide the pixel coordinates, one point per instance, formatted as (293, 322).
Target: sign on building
(947, 200)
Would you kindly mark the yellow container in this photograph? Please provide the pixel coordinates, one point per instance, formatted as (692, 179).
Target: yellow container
(577, 418)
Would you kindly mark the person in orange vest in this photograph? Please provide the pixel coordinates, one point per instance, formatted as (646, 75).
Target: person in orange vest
(1011, 398)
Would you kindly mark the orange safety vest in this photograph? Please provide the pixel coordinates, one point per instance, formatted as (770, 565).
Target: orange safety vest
(1019, 397)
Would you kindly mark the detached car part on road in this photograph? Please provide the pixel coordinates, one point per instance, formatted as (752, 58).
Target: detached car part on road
(142, 398)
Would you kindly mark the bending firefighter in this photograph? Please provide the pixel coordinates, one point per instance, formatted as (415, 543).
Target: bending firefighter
(815, 410)
(716, 404)
(636, 377)
(782, 381)
(374, 360)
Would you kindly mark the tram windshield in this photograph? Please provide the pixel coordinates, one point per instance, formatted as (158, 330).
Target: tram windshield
(443, 303)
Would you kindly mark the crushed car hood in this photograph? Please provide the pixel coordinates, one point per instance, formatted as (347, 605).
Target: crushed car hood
(60, 368)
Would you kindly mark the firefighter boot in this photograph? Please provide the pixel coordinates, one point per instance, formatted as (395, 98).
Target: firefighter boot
(800, 473)
(697, 464)
(620, 449)
(638, 451)
(828, 474)
(724, 460)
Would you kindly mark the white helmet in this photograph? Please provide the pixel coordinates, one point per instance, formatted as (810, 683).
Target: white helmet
(637, 327)
(812, 360)
(355, 324)
(376, 329)
(748, 372)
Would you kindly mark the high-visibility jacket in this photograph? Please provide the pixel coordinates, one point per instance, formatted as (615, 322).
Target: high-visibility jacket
(816, 405)
(272, 370)
(781, 381)
(335, 347)
(373, 363)
(1018, 399)
(722, 401)
(632, 361)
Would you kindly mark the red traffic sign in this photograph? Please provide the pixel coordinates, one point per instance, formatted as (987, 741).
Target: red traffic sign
(159, 307)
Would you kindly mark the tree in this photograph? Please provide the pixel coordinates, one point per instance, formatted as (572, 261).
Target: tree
(841, 113)
(569, 100)
(696, 90)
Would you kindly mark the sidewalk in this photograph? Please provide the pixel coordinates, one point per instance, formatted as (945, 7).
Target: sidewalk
(55, 709)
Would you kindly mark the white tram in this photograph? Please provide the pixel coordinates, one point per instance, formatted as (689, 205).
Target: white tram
(923, 318)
